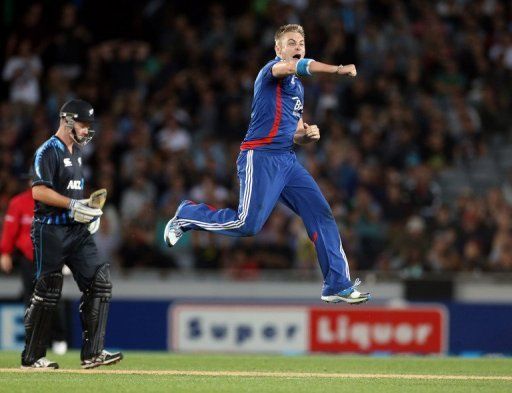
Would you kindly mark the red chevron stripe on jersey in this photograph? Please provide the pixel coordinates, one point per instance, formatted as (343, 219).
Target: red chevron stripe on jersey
(275, 126)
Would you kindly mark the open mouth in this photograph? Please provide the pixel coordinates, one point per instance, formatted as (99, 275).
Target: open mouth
(297, 56)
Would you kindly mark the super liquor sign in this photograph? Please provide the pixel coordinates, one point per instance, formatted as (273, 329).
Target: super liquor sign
(409, 330)
(271, 328)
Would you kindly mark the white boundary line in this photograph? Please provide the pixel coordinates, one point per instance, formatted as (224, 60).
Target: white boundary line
(267, 374)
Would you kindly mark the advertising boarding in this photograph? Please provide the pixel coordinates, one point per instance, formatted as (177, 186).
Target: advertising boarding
(267, 328)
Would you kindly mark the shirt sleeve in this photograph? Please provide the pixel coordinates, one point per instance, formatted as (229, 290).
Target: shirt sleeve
(266, 72)
(45, 166)
(10, 228)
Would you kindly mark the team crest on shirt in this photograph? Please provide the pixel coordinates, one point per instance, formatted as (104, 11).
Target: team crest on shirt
(67, 162)
(79, 161)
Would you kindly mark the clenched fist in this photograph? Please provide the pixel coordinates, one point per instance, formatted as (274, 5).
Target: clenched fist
(311, 133)
(349, 69)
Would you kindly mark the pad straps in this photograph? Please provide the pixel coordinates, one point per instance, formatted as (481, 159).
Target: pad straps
(94, 313)
(39, 316)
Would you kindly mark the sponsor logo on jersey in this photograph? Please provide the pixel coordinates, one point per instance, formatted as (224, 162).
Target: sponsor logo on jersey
(297, 110)
(75, 185)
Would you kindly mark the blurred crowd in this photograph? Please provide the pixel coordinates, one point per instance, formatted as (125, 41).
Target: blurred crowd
(173, 95)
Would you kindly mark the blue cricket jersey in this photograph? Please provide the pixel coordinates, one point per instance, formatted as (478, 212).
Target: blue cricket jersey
(276, 109)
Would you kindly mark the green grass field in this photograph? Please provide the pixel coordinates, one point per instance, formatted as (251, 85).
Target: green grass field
(165, 372)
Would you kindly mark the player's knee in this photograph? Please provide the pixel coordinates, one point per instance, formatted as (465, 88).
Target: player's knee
(250, 229)
(47, 289)
(328, 214)
(248, 232)
(324, 211)
(101, 285)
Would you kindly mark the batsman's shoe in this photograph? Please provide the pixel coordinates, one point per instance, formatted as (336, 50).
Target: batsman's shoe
(41, 364)
(173, 231)
(103, 359)
(348, 295)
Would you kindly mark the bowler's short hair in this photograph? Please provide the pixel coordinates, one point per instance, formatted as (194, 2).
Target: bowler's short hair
(289, 28)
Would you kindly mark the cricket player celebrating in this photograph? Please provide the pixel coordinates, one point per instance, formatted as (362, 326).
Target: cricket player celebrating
(268, 169)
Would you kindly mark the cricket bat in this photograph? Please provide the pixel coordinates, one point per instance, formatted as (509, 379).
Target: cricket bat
(98, 198)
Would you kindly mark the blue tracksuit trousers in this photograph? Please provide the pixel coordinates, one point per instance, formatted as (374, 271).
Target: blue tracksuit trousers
(265, 178)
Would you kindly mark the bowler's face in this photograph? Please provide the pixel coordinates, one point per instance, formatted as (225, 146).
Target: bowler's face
(291, 46)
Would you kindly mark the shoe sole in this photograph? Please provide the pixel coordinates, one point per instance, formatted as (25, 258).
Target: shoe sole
(337, 299)
(166, 238)
(166, 230)
(107, 363)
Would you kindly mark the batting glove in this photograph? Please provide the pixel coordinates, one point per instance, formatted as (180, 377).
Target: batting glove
(82, 213)
(94, 226)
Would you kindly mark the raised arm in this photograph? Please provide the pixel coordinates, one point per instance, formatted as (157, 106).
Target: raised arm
(305, 67)
(284, 68)
(318, 67)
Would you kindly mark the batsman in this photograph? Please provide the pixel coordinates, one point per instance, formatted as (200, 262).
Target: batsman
(64, 223)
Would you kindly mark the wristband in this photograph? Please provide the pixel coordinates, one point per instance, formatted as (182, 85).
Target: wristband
(72, 203)
(302, 67)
